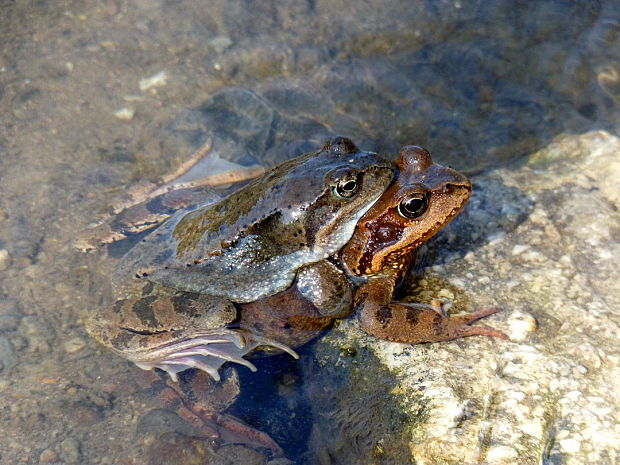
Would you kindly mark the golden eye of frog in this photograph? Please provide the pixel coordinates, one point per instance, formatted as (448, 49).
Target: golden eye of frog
(177, 288)
(424, 198)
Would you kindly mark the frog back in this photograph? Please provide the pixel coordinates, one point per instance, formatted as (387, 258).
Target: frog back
(250, 244)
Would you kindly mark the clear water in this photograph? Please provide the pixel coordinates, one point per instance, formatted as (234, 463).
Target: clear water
(481, 84)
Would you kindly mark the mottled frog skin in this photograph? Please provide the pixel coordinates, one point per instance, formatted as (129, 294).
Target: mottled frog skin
(177, 288)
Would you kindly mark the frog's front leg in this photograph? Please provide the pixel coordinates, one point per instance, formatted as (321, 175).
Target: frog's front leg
(320, 293)
(413, 323)
(175, 331)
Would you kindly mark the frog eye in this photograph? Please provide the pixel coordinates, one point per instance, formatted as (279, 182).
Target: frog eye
(413, 205)
(347, 187)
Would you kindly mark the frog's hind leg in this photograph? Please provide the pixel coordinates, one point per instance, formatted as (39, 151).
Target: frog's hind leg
(147, 206)
(206, 350)
(199, 401)
(203, 168)
(175, 331)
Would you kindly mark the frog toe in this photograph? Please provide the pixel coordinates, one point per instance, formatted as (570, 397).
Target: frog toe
(207, 351)
(267, 342)
(176, 366)
(458, 325)
(200, 356)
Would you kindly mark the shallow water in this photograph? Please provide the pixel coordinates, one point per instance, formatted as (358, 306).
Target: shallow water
(480, 84)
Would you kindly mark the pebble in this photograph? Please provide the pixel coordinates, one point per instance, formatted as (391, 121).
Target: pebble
(503, 454)
(5, 259)
(74, 345)
(86, 415)
(125, 113)
(69, 450)
(570, 445)
(156, 80)
(519, 248)
(220, 43)
(48, 456)
(445, 294)
(521, 325)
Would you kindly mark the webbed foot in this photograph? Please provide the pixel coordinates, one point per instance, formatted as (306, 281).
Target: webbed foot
(206, 351)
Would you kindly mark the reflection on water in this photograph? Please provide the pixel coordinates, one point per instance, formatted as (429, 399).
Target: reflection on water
(481, 84)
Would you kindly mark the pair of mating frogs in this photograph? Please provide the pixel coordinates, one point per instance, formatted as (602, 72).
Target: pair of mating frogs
(278, 260)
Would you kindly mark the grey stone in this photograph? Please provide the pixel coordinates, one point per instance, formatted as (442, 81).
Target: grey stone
(10, 315)
(8, 358)
(69, 450)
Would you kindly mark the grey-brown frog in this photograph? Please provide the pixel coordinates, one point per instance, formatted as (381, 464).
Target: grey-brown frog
(177, 288)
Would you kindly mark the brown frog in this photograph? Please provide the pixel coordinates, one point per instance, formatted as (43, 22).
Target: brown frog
(425, 197)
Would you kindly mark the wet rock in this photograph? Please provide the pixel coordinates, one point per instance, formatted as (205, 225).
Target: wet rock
(240, 118)
(520, 325)
(84, 413)
(74, 345)
(5, 259)
(178, 448)
(10, 314)
(533, 243)
(8, 358)
(69, 450)
(48, 456)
